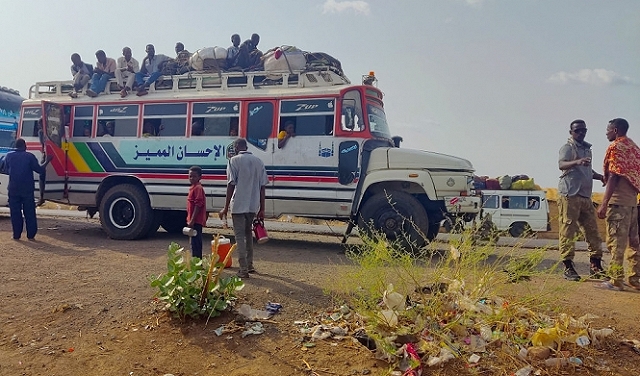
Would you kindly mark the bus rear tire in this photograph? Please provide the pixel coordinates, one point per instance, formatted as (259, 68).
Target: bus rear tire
(397, 215)
(155, 223)
(174, 221)
(125, 212)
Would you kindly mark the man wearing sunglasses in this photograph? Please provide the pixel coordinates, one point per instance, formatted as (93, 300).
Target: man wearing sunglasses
(575, 206)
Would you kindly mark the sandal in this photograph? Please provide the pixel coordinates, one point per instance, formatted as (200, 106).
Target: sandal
(632, 286)
(608, 286)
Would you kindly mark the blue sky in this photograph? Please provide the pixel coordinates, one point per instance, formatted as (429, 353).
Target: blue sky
(493, 81)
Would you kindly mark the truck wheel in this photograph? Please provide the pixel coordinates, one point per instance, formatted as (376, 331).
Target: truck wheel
(173, 221)
(434, 229)
(125, 212)
(397, 215)
(519, 229)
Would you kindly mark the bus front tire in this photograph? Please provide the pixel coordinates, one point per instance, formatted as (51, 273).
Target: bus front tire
(397, 215)
(125, 212)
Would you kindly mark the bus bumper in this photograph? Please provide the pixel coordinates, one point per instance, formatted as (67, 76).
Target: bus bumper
(462, 204)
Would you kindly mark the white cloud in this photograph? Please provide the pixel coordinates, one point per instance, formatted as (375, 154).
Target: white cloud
(475, 3)
(333, 6)
(598, 77)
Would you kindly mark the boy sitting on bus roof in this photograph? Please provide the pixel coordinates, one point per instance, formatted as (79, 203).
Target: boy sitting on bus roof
(151, 69)
(105, 70)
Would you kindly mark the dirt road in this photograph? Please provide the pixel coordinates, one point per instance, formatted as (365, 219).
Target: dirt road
(77, 303)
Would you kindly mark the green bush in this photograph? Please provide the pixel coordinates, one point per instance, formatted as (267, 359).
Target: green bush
(181, 288)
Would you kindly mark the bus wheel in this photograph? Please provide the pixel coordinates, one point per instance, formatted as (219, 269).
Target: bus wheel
(125, 212)
(520, 229)
(397, 215)
(173, 221)
(155, 223)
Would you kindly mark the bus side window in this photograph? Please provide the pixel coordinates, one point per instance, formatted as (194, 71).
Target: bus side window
(82, 121)
(315, 125)
(514, 202)
(165, 120)
(533, 203)
(311, 117)
(215, 119)
(259, 123)
(215, 126)
(117, 121)
(351, 119)
(490, 201)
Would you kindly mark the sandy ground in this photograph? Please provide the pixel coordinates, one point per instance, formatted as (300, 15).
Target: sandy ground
(77, 303)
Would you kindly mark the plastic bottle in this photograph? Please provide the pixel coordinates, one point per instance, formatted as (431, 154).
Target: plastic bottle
(524, 371)
(560, 362)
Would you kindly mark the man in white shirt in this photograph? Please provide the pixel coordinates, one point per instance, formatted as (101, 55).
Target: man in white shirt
(246, 181)
(104, 71)
(126, 70)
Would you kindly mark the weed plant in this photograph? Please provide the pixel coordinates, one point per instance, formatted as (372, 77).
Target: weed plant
(181, 288)
(452, 291)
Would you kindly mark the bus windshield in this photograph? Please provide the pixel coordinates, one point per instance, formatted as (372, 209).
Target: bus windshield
(378, 121)
(9, 112)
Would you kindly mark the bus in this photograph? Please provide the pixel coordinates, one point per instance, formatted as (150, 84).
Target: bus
(10, 101)
(127, 158)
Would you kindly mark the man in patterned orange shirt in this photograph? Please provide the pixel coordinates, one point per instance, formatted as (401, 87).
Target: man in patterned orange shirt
(619, 206)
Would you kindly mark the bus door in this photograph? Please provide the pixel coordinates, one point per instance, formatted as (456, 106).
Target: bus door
(259, 117)
(305, 157)
(54, 137)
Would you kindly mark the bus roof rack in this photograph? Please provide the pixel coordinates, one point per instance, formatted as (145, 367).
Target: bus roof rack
(211, 81)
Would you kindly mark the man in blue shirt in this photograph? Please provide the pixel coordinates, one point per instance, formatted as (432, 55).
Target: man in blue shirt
(20, 166)
(150, 70)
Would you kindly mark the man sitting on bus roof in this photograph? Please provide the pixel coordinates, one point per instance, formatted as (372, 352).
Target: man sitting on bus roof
(182, 59)
(105, 70)
(249, 55)
(232, 52)
(81, 73)
(151, 69)
(127, 68)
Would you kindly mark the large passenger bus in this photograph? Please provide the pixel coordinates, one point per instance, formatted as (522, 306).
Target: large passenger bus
(127, 158)
(10, 101)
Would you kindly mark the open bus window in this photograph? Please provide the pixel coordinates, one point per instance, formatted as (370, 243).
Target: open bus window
(259, 124)
(215, 119)
(533, 203)
(311, 117)
(30, 116)
(309, 125)
(215, 126)
(165, 120)
(351, 117)
(122, 119)
(514, 202)
(82, 121)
